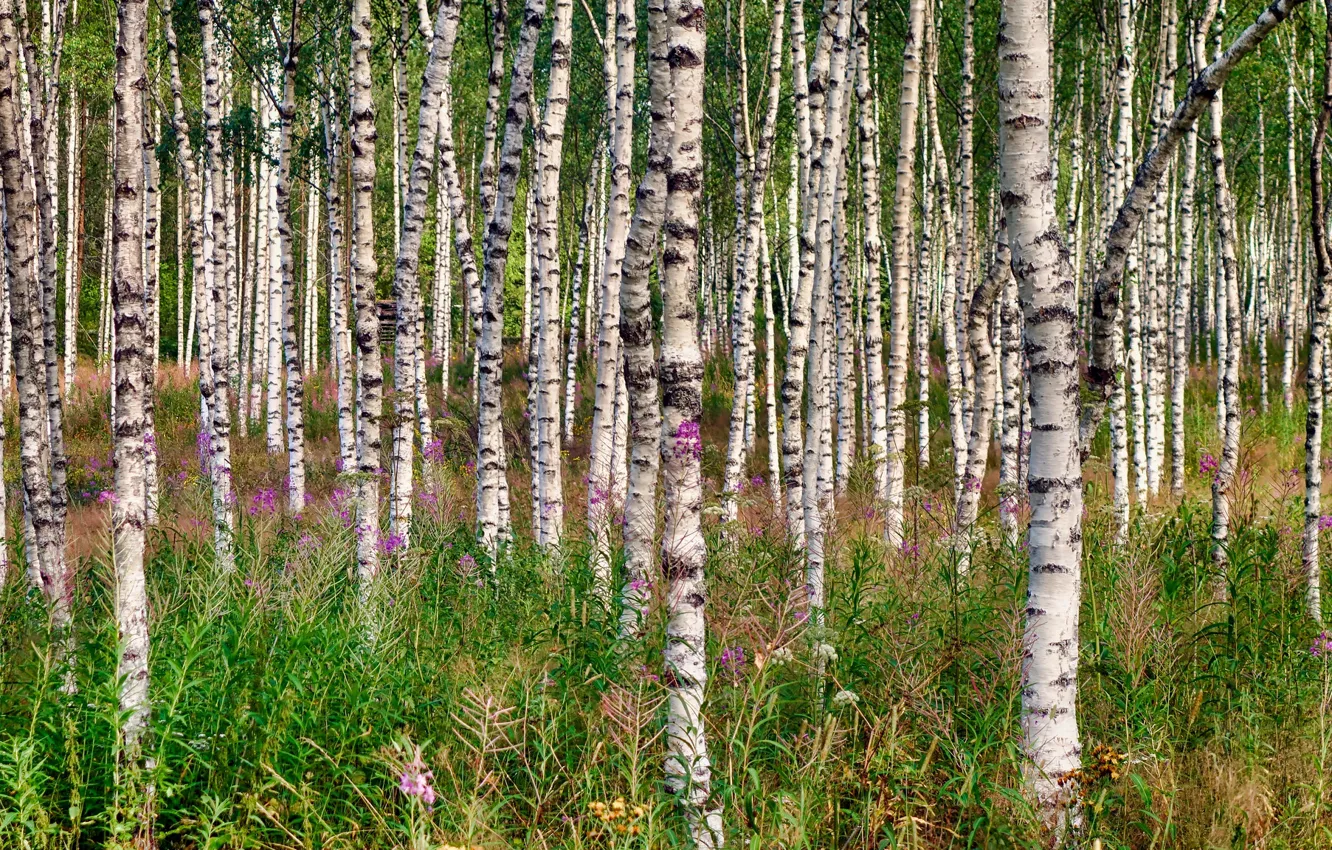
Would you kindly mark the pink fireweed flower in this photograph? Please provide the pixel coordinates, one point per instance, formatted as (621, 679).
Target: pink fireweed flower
(434, 451)
(1322, 645)
(263, 502)
(415, 780)
(1208, 465)
(388, 544)
(1325, 522)
(106, 497)
(733, 662)
(688, 440)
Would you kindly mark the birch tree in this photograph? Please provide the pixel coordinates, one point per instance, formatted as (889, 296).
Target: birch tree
(550, 521)
(684, 548)
(1054, 477)
(133, 374)
(370, 377)
(904, 190)
(492, 488)
(406, 270)
(20, 210)
(1322, 304)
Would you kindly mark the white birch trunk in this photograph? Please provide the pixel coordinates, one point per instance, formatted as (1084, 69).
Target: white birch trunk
(549, 315)
(684, 548)
(132, 410)
(370, 375)
(1049, 668)
(492, 487)
(904, 190)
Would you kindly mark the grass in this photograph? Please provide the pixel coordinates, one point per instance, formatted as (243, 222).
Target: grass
(1205, 723)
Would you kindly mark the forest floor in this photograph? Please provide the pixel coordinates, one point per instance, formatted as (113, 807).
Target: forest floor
(1206, 719)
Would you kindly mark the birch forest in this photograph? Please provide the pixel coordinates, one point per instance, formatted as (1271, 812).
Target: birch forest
(798, 424)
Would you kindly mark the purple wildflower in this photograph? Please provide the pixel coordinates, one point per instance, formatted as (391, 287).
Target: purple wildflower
(1322, 645)
(415, 780)
(263, 502)
(733, 662)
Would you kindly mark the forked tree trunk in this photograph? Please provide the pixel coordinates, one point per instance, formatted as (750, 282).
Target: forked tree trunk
(21, 239)
(492, 487)
(603, 437)
(746, 287)
(986, 380)
(406, 270)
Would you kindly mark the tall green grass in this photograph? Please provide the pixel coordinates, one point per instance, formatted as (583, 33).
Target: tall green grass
(1206, 722)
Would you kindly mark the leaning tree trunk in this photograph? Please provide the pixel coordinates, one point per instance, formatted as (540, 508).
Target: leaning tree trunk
(904, 191)
(684, 549)
(1054, 477)
(1105, 324)
(637, 331)
(129, 509)
(363, 272)
(491, 487)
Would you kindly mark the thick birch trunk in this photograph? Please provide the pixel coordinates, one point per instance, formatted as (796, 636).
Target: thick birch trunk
(131, 415)
(684, 548)
(370, 382)
(637, 331)
(1049, 668)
